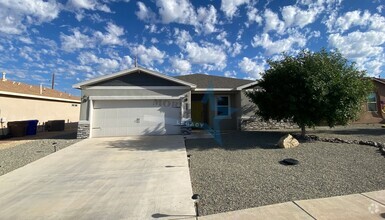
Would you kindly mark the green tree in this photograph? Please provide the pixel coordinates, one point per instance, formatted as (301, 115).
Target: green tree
(311, 88)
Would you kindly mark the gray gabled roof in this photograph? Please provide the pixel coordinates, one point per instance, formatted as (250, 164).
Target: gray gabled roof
(204, 81)
(130, 71)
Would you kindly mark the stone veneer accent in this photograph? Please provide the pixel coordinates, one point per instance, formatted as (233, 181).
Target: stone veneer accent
(83, 130)
(256, 123)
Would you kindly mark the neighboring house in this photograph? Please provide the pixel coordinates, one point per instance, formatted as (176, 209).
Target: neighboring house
(20, 101)
(144, 102)
(374, 109)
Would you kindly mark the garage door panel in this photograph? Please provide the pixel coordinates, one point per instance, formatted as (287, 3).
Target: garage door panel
(134, 117)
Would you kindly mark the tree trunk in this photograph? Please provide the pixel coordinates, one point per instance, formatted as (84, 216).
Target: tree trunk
(303, 131)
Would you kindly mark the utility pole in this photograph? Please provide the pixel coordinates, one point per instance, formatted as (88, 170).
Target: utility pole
(53, 81)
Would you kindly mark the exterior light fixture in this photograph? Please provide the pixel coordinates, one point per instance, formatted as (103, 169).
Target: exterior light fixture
(196, 198)
(188, 160)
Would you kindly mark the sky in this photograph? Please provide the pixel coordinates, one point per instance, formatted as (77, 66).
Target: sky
(79, 40)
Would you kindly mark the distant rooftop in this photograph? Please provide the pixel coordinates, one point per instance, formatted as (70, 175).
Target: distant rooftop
(209, 81)
(26, 89)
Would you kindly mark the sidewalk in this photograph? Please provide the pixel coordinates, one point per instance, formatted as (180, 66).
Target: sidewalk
(366, 206)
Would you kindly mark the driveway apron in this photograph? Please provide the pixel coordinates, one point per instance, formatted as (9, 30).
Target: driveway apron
(137, 177)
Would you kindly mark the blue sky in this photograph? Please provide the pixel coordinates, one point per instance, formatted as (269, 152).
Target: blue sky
(82, 39)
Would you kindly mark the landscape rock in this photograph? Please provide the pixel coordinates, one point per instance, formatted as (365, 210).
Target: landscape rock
(256, 123)
(288, 141)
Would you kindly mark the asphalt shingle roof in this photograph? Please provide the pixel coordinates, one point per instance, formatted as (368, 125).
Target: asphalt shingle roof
(22, 88)
(210, 81)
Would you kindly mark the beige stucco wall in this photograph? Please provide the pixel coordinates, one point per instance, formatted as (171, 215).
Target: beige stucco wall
(378, 116)
(248, 108)
(17, 109)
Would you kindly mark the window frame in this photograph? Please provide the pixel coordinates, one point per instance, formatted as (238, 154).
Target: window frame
(228, 106)
(372, 102)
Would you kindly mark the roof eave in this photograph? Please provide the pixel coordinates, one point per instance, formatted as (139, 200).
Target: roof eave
(377, 80)
(214, 89)
(247, 85)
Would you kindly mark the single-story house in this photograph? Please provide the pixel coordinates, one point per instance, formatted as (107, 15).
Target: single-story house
(139, 101)
(374, 110)
(20, 101)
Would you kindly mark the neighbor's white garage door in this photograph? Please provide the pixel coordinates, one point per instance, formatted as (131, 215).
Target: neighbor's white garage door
(135, 117)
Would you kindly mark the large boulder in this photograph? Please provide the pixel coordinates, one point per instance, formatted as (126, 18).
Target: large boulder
(288, 141)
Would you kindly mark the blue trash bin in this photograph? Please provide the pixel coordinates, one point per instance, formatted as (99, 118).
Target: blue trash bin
(32, 127)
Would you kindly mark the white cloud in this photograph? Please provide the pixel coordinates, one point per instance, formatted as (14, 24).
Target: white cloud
(272, 22)
(181, 66)
(179, 11)
(26, 40)
(278, 46)
(377, 23)
(230, 7)
(154, 40)
(112, 37)
(209, 56)
(253, 16)
(145, 13)
(88, 60)
(231, 74)
(207, 19)
(380, 8)
(88, 5)
(372, 65)
(76, 41)
(321, 5)
(348, 20)
(17, 15)
(25, 53)
(365, 48)
(358, 44)
(181, 37)
(365, 44)
(148, 56)
(203, 19)
(79, 7)
(235, 49)
(240, 33)
(252, 68)
(294, 16)
(222, 37)
(151, 28)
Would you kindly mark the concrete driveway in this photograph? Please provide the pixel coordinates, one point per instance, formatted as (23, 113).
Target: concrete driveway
(103, 178)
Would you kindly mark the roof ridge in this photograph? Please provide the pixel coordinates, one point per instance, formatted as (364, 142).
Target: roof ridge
(204, 74)
(215, 81)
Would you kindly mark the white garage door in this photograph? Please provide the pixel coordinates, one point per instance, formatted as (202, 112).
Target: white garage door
(135, 117)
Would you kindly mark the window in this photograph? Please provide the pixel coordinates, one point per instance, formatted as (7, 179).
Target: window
(222, 104)
(372, 102)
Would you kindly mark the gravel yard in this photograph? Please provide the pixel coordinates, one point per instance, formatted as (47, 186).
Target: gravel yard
(244, 172)
(354, 132)
(18, 153)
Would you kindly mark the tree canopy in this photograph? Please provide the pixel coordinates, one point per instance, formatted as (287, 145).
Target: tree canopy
(311, 88)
